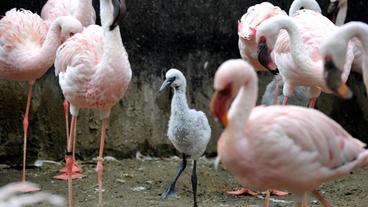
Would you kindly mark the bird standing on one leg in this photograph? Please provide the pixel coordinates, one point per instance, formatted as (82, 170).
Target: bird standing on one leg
(85, 13)
(188, 131)
(27, 50)
(94, 72)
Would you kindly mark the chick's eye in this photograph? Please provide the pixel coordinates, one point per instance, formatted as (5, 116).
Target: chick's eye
(71, 34)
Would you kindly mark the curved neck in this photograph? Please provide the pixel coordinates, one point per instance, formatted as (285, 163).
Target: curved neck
(360, 31)
(51, 43)
(243, 104)
(306, 4)
(298, 50)
(341, 15)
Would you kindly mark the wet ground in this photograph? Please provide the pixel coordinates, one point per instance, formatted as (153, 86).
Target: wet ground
(139, 183)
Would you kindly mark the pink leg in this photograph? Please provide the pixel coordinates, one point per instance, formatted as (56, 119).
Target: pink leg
(277, 92)
(285, 100)
(70, 141)
(243, 191)
(69, 161)
(312, 102)
(100, 160)
(25, 130)
(267, 199)
(321, 199)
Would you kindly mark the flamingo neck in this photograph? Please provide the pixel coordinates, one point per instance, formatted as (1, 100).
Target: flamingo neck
(298, 50)
(243, 104)
(52, 42)
(80, 12)
(341, 15)
(306, 4)
(113, 45)
(360, 31)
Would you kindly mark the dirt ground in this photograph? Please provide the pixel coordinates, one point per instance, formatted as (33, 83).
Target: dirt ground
(139, 182)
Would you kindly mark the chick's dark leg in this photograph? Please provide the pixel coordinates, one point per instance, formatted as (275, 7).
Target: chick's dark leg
(170, 190)
(194, 183)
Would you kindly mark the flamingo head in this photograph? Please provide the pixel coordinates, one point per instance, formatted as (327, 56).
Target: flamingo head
(332, 76)
(229, 78)
(334, 53)
(249, 22)
(264, 55)
(175, 79)
(69, 26)
(119, 12)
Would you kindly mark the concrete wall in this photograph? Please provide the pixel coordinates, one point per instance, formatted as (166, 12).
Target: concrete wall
(195, 36)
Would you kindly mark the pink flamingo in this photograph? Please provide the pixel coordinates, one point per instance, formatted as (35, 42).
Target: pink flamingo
(334, 51)
(94, 72)
(247, 29)
(285, 147)
(298, 59)
(79, 9)
(85, 13)
(27, 51)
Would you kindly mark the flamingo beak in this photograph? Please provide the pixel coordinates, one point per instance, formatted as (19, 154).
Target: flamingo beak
(332, 10)
(219, 104)
(264, 57)
(166, 83)
(333, 80)
(119, 12)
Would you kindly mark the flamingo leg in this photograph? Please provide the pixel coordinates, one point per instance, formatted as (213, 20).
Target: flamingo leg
(69, 161)
(321, 199)
(243, 191)
(277, 92)
(312, 102)
(285, 100)
(305, 200)
(194, 183)
(267, 199)
(170, 190)
(100, 160)
(24, 187)
(70, 147)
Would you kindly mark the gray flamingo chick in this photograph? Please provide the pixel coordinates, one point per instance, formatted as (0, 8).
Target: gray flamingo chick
(188, 130)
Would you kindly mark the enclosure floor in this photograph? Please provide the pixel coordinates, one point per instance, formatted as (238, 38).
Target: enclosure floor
(133, 182)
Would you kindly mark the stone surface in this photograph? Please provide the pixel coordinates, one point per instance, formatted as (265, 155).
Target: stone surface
(195, 36)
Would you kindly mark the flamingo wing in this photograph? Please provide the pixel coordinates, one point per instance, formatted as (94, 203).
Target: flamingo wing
(312, 135)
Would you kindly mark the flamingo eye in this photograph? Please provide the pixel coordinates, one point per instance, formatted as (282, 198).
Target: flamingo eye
(71, 34)
(227, 91)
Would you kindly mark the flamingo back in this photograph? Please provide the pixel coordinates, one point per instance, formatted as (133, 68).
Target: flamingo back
(313, 27)
(85, 77)
(299, 149)
(83, 48)
(308, 129)
(255, 16)
(22, 29)
(57, 8)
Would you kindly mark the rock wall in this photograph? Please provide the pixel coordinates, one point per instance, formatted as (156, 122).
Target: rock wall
(195, 36)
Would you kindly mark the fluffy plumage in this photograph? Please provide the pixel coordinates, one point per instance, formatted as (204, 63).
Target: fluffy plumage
(188, 129)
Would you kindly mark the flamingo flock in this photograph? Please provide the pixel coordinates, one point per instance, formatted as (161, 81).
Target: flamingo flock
(266, 147)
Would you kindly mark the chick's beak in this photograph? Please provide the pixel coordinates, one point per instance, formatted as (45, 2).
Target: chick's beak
(218, 106)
